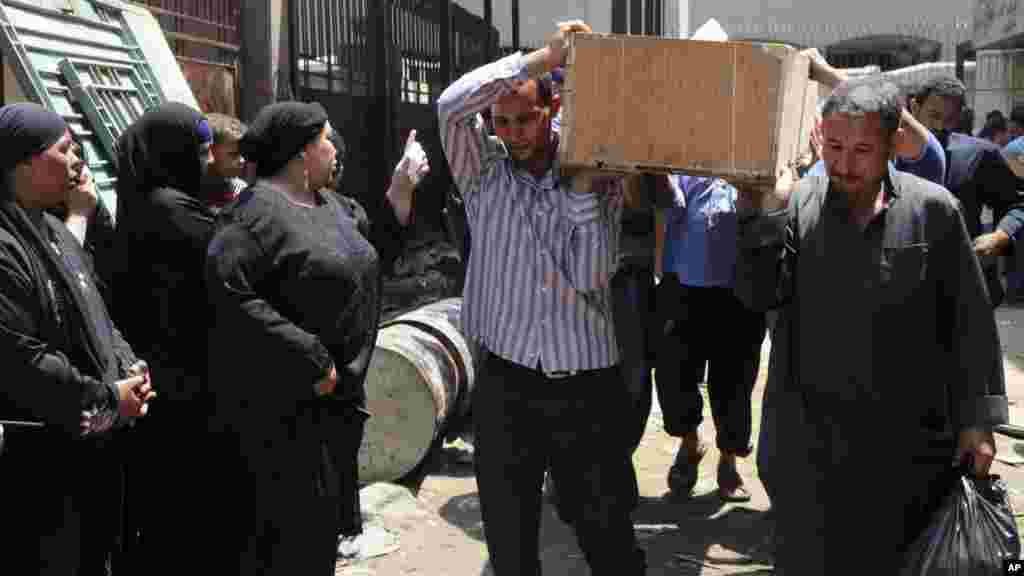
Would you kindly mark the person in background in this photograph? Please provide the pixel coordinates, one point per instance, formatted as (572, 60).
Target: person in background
(976, 173)
(883, 311)
(1016, 121)
(223, 181)
(537, 298)
(996, 130)
(695, 300)
(295, 287)
(69, 378)
(159, 299)
(1014, 155)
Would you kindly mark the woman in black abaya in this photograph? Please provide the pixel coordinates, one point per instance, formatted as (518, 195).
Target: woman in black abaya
(159, 300)
(295, 289)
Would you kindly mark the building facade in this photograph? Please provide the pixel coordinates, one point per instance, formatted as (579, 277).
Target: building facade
(537, 18)
(852, 34)
(997, 28)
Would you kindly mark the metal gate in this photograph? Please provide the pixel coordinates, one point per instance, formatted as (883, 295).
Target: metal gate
(205, 38)
(378, 68)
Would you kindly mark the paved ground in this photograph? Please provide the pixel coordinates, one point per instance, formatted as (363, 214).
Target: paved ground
(441, 534)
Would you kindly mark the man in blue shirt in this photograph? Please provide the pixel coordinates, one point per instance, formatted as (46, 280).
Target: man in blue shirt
(976, 173)
(695, 297)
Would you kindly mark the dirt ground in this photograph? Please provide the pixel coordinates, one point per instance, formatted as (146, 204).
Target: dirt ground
(437, 519)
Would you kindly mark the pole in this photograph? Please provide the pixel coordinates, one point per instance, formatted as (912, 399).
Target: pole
(515, 25)
(489, 22)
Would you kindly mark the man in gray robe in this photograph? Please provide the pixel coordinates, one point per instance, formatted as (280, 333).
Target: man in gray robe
(885, 365)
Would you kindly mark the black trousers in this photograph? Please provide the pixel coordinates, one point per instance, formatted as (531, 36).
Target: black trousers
(168, 485)
(525, 423)
(344, 448)
(61, 510)
(710, 328)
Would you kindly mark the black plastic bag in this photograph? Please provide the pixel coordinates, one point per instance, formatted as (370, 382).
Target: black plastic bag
(971, 534)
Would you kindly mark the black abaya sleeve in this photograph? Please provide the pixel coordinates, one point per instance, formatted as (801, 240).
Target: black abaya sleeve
(383, 232)
(39, 383)
(387, 236)
(236, 264)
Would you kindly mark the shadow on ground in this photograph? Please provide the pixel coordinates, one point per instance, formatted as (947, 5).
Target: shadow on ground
(680, 537)
(452, 460)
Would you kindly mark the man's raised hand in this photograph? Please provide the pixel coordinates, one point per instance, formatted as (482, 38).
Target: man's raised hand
(558, 44)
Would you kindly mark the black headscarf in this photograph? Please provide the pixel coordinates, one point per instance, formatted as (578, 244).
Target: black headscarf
(27, 130)
(161, 150)
(279, 133)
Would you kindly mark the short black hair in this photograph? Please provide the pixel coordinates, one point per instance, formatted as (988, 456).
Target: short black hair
(869, 95)
(943, 86)
(996, 123)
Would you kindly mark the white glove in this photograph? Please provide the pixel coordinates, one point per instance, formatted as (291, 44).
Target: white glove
(413, 165)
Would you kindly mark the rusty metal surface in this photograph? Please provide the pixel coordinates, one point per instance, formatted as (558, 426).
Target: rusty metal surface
(200, 29)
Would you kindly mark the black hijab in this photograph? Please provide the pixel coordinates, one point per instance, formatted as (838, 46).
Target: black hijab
(279, 133)
(27, 129)
(161, 150)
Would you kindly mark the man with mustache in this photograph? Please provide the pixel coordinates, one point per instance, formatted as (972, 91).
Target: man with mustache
(538, 299)
(886, 368)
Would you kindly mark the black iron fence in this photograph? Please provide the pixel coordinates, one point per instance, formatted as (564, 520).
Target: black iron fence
(379, 67)
(205, 37)
(204, 30)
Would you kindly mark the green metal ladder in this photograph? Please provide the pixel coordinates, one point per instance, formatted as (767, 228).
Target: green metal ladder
(87, 67)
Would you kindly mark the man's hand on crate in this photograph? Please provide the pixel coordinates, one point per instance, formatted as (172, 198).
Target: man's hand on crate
(766, 197)
(554, 54)
(821, 71)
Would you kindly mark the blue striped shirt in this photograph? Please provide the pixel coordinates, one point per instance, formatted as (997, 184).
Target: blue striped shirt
(537, 286)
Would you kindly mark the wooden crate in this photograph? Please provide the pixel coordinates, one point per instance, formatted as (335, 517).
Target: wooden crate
(735, 110)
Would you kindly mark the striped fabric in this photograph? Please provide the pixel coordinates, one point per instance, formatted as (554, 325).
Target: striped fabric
(537, 287)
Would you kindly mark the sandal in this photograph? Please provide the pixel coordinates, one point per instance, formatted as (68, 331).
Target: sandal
(730, 484)
(683, 475)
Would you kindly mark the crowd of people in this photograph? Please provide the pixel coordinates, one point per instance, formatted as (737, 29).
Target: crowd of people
(185, 393)
(885, 367)
(191, 383)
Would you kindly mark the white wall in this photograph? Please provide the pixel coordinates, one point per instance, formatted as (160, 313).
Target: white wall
(822, 22)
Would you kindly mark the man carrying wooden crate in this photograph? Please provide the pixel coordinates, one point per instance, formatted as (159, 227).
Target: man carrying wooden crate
(886, 367)
(538, 299)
